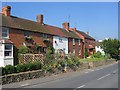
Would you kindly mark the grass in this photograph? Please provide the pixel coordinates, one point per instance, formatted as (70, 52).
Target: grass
(92, 59)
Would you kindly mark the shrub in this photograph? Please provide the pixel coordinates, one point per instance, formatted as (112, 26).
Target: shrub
(33, 66)
(70, 62)
(48, 58)
(9, 69)
(97, 55)
(50, 50)
(23, 50)
(62, 63)
(21, 68)
(2, 71)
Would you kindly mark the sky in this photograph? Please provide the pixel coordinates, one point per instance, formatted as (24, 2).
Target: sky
(100, 19)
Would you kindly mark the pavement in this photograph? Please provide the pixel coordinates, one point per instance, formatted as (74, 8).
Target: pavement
(100, 77)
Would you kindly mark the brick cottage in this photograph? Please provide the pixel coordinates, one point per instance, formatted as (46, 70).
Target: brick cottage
(16, 32)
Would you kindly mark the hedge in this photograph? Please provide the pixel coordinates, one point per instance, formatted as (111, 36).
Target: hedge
(9, 69)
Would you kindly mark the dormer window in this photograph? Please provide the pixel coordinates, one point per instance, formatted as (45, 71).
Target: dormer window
(5, 32)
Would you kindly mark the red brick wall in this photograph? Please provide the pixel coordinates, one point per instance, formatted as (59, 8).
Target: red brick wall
(16, 36)
(90, 42)
(77, 47)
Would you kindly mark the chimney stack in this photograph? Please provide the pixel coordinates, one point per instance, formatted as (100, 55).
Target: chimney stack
(40, 19)
(6, 10)
(65, 25)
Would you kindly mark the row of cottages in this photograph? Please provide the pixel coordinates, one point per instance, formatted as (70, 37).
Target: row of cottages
(16, 32)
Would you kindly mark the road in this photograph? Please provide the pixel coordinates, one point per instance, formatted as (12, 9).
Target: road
(100, 77)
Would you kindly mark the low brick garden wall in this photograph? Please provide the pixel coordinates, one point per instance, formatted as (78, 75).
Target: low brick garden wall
(39, 73)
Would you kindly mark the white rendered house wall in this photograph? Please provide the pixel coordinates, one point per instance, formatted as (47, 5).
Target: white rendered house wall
(5, 60)
(99, 49)
(60, 43)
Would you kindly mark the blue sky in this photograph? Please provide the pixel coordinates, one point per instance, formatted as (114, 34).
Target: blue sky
(99, 19)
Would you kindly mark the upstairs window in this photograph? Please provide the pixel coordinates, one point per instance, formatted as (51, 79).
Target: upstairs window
(44, 35)
(5, 32)
(60, 39)
(79, 42)
(8, 50)
(73, 41)
(26, 34)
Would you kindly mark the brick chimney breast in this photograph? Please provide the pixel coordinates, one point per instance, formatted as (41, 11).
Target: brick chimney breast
(65, 25)
(40, 19)
(6, 10)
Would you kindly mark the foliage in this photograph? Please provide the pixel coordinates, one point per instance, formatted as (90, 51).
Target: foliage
(9, 69)
(23, 50)
(49, 58)
(34, 66)
(50, 50)
(21, 68)
(97, 55)
(70, 62)
(86, 53)
(62, 63)
(28, 38)
(112, 47)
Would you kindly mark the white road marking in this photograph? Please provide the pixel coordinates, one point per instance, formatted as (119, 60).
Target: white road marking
(81, 86)
(103, 77)
(24, 85)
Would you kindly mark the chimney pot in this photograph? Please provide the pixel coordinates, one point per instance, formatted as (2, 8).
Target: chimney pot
(6, 10)
(40, 19)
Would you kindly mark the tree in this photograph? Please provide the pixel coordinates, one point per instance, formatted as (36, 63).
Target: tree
(111, 47)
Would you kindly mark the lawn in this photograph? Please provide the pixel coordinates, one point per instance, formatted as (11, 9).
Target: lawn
(92, 59)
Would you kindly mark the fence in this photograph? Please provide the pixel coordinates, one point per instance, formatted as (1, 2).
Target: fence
(28, 58)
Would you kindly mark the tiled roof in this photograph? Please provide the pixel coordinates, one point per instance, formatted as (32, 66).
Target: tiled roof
(85, 35)
(24, 24)
(15, 22)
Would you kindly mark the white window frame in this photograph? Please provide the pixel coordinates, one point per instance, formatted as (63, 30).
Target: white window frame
(3, 28)
(11, 50)
(79, 41)
(73, 50)
(60, 39)
(27, 35)
(73, 41)
(79, 52)
(44, 35)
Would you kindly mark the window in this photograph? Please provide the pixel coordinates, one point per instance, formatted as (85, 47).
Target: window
(44, 35)
(73, 50)
(79, 42)
(79, 52)
(8, 50)
(73, 41)
(26, 34)
(60, 39)
(5, 32)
